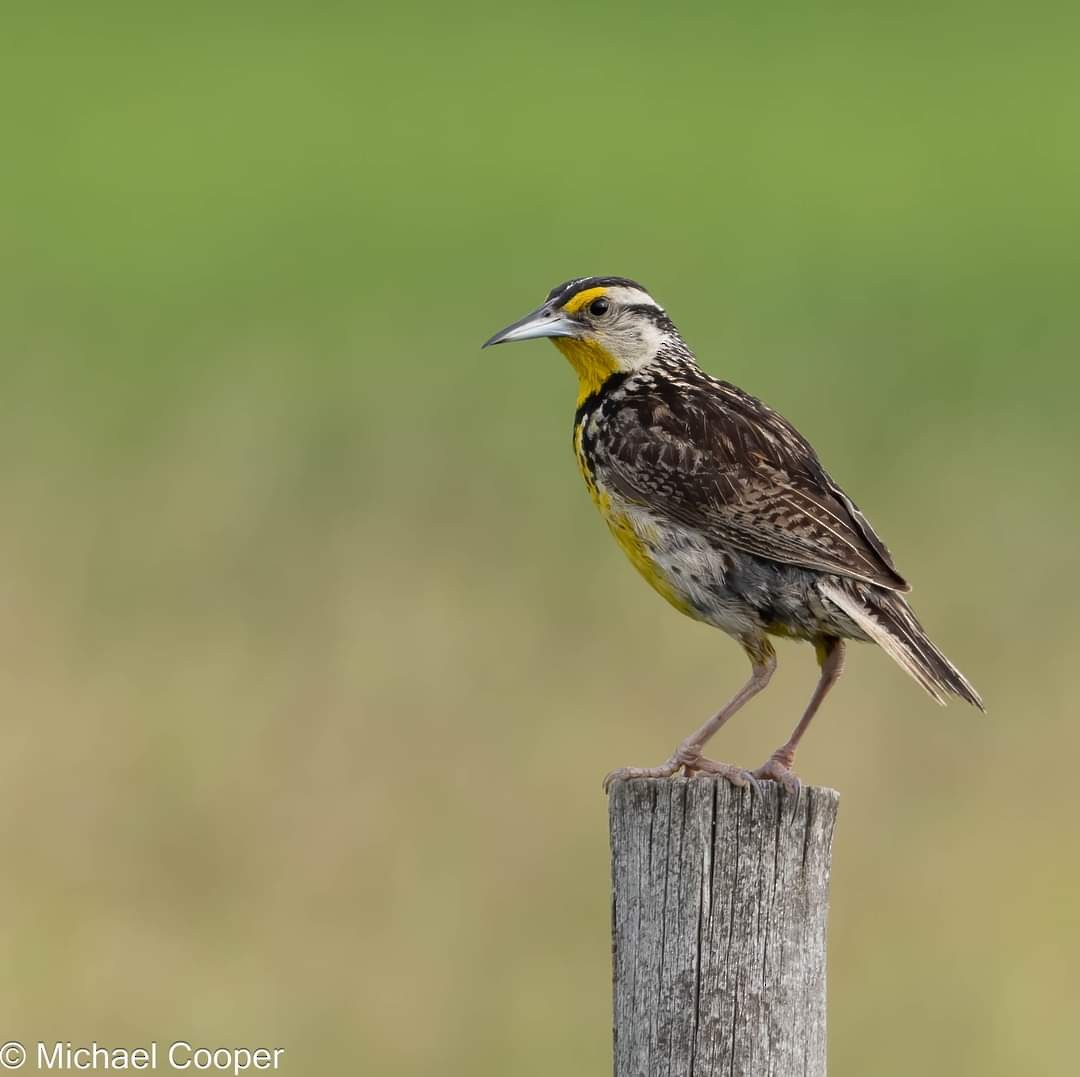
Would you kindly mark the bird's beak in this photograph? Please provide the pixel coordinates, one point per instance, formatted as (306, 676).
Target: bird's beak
(542, 322)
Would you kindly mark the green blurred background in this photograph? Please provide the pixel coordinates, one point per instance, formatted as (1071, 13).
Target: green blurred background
(314, 652)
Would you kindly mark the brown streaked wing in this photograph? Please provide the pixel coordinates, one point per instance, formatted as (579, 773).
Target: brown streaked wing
(720, 461)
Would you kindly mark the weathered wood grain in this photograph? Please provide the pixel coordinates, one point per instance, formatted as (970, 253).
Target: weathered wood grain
(719, 907)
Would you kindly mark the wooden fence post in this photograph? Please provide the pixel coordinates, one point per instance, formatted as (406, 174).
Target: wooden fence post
(719, 907)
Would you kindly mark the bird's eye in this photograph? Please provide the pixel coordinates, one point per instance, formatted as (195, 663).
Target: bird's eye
(599, 307)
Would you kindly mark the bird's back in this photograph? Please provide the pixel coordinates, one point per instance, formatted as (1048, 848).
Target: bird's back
(712, 460)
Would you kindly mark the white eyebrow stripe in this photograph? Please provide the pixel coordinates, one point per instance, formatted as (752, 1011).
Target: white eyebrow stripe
(632, 297)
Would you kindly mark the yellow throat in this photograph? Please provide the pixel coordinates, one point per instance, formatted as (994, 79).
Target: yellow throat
(592, 362)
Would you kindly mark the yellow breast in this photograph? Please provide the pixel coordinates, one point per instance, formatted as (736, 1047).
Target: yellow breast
(634, 538)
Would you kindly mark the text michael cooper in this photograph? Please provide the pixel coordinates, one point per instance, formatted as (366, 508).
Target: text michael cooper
(62, 1055)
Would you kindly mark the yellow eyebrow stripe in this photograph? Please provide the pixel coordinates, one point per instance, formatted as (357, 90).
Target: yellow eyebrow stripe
(573, 305)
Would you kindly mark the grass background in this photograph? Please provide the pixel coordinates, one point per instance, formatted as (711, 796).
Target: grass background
(313, 652)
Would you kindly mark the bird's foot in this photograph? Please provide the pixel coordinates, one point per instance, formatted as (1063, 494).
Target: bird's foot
(690, 760)
(777, 768)
(665, 770)
(739, 776)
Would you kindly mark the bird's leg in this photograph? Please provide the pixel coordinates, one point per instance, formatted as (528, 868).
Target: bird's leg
(688, 754)
(830, 652)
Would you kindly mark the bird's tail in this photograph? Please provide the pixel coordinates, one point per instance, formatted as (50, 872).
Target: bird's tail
(889, 621)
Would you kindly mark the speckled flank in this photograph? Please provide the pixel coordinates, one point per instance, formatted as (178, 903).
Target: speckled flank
(641, 544)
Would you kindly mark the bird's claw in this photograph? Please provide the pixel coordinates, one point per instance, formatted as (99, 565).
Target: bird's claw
(622, 774)
(738, 776)
(775, 769)
(691, 761)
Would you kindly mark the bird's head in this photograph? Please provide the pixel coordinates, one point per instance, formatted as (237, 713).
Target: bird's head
(603, 325)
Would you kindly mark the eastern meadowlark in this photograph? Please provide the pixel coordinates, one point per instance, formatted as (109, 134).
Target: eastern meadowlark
(724, 508)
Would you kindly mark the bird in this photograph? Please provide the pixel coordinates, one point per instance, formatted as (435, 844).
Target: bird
(726, 511)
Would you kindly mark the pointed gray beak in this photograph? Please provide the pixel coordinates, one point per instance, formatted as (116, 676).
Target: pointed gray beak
(542, 322)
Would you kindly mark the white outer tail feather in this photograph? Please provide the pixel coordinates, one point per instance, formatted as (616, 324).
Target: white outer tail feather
(916, 654)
